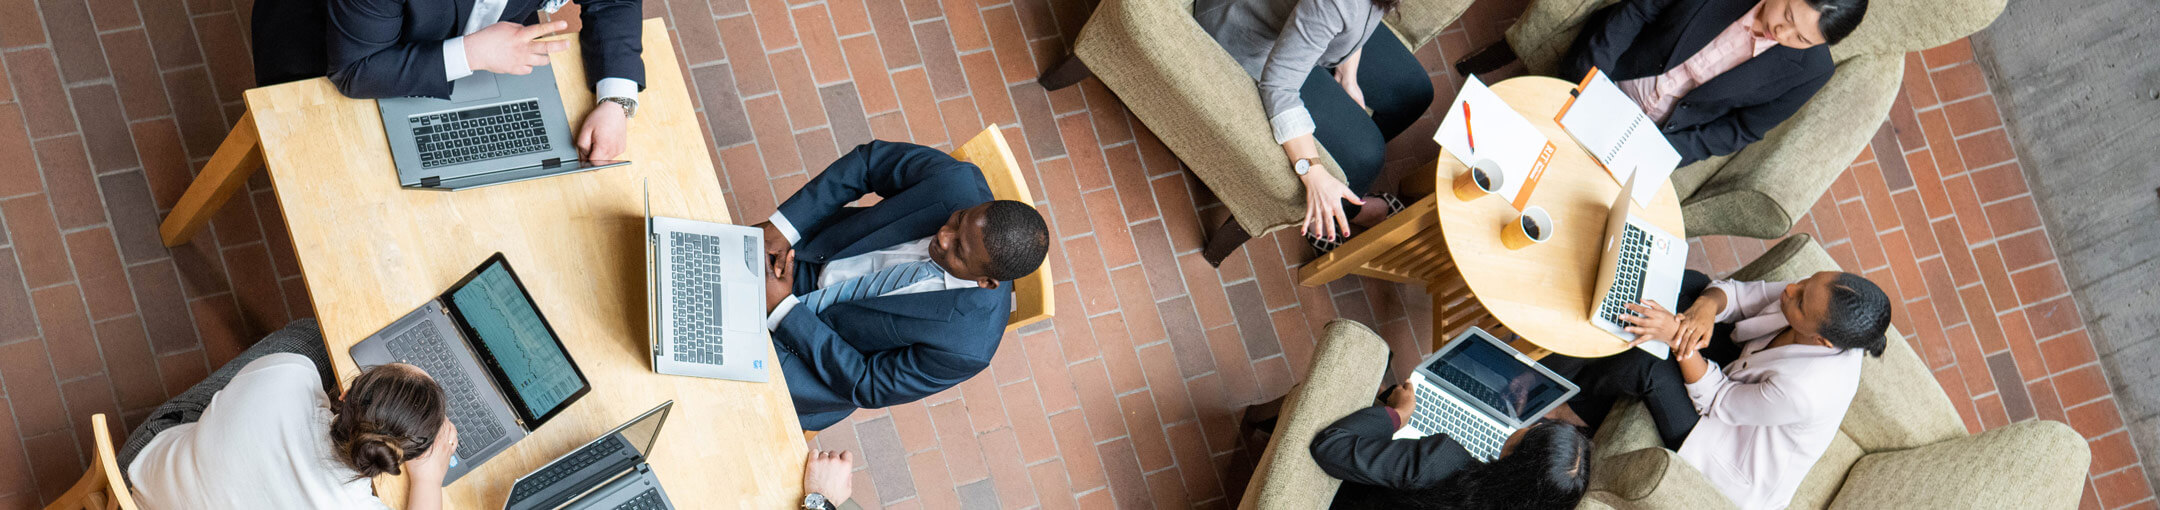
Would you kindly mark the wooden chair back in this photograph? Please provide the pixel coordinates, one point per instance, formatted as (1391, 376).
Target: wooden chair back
(101, 488)
(988, 151)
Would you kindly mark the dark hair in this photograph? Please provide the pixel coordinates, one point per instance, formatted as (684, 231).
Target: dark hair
(1549, 469)
(1016, 237)
(1858, 315)
(388, 416)
(1387, 5)
(1839, 17)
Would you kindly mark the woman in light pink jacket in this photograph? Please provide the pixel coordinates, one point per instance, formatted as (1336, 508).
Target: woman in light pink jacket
(1758, 381)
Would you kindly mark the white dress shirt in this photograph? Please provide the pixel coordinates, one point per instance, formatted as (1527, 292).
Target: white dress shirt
(486, 12)
(1770, 415)
(853, 267)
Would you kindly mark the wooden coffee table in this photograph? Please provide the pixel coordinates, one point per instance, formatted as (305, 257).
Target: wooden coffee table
(1541, 292)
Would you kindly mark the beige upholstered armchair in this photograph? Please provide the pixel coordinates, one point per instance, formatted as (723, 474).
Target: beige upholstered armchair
(1193, 96)
(1346, 371)
(1901, 445)
(1763, 189)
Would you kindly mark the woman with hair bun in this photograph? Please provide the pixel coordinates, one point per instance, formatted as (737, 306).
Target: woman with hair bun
(262, 432)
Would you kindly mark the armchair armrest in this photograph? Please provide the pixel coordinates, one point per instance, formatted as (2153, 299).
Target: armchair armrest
(1202, 105)
(1346, 370)
(1418, 21)
(1653, 478)
(1542, 35)
(1769, 184)
(2034, 464)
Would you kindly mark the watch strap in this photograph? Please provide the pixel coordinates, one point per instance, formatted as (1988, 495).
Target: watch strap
(629, 105)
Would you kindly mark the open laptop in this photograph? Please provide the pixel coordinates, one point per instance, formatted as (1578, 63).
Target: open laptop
(609, 472)
(705, 297)
(494, 129)
(1640, 261)
(505, 371)
(1479, 391)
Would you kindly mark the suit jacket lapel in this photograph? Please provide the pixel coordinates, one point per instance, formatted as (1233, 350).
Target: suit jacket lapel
(463, 11)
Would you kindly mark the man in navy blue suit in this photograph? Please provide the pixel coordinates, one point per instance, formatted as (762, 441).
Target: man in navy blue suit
(884, 305)
(374, 49)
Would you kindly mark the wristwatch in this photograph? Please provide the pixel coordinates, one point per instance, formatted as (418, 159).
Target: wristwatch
(1303, 165)
(629, 106)
(815, 501)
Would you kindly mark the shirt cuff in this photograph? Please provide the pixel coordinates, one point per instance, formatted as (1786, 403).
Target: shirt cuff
(1291, 123)
(787, 229)
(614, 87)
(1394, 417)
(772, 322)
(453, 59)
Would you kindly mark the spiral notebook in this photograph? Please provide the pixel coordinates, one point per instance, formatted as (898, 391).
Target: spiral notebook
(1617, 134)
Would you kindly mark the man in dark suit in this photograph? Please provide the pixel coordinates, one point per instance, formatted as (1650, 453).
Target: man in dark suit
(395, 48)
(884, 305)
(1716, 75)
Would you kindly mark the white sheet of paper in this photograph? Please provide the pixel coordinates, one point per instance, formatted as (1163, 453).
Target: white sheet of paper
(1614, 130)
(1502, 135)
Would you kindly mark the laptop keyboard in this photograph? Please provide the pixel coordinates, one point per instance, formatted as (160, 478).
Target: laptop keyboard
(649, 500)
(696, 302)
(1628, 275)
(425, 348)
(1439, 413)
(569, 465)
(476, 134)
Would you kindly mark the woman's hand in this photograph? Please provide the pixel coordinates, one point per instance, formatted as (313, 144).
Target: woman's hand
(1346, 75)
(1324, 215)
(430, 467)
(1652, 322)
(1696, 327)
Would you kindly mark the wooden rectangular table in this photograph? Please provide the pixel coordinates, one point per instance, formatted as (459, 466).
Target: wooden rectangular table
(371, 251)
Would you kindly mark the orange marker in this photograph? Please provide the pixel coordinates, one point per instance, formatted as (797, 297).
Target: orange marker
(1466, 126)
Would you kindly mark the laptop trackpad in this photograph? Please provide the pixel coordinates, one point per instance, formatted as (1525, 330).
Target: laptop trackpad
(481, 85)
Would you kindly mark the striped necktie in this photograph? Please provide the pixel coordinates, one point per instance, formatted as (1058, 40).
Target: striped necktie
(870, 285)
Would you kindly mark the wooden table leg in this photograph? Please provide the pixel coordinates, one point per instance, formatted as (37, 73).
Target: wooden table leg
(236, 159)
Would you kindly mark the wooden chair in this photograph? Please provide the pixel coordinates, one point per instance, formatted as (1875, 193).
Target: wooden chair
(1408, 248)
(101, 487)
(988, 150)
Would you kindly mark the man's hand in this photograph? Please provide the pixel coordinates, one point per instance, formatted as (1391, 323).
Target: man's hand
(430, 467)
(509, 48)
(779, 280)
(605, 134)
(775, 242)
(829, 474)
(1403, 399)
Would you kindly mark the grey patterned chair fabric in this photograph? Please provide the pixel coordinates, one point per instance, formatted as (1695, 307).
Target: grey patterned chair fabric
(1901, 445)
(1193, 96)
(1763, 189)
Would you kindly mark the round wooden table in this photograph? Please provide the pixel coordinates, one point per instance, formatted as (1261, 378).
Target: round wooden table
(1541, 292)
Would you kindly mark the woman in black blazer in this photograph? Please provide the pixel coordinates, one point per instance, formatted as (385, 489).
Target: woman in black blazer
(1649, 38)
(1543, 466)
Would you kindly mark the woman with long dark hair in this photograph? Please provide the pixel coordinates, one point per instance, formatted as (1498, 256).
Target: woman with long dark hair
(1542, 466)
(1320, 65)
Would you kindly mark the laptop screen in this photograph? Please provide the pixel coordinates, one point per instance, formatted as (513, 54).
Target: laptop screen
(519, 344)
(645, 430)
(1490, 373)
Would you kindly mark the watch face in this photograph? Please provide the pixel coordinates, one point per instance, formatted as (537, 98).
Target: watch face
(1304, 165)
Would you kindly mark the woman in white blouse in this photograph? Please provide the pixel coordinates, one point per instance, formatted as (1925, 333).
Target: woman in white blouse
(1758, 381)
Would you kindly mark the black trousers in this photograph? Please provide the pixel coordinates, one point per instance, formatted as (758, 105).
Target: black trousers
(1396, 88)
(1639, 375)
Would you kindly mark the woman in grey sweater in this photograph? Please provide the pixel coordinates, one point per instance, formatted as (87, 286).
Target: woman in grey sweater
(1320, 65)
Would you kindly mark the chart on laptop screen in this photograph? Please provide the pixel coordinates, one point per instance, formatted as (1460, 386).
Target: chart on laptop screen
(510, 328)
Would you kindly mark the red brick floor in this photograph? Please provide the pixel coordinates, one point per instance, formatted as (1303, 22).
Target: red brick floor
(1126, 399)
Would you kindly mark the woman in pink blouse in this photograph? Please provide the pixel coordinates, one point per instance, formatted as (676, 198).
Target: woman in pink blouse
(1758, 381)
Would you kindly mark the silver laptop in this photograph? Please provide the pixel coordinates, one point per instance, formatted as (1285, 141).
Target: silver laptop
(1479, 391)
(609, 472)
(1640, 261)
(494, 129)
(503, 368)
(705, 297)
